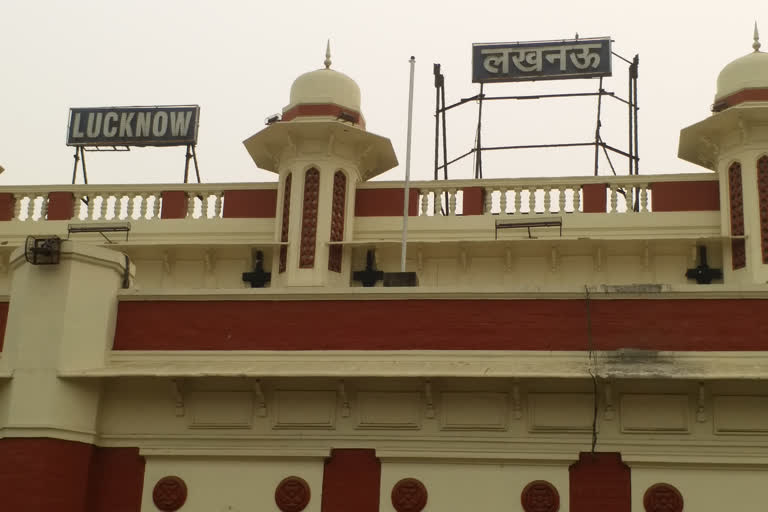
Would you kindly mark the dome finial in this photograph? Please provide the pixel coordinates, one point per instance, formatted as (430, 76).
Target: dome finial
(327, 60)
(756, 37)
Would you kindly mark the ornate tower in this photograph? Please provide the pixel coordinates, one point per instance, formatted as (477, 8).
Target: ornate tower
(320, 150)
(734, 143)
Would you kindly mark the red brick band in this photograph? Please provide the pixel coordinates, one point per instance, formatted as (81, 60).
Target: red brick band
(66, 476)
(525, 324)
(600, 481)
(351, 481)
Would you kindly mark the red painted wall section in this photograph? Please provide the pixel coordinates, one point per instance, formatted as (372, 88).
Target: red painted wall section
(351, 481)
(685, 196)
(741, 97)
(251, 204)
(44, 474)
(460, 325)
(116, 480)
(600, 482)
(327, 109)
(174, 205)
(593, 198)
(61, 205)
(473, 201)
(39, 474)
(6, 206)
(3, 322)
(385, 202)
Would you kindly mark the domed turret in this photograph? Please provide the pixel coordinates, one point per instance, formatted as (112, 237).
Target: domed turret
(744, 79)
(325, 92)
(325, 86)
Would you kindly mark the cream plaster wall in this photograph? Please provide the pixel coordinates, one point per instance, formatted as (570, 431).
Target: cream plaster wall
(232, 484)
(705, 489)
(467, 487)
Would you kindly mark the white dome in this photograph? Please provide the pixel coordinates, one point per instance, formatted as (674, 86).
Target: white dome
(325, 86)
(747, 72)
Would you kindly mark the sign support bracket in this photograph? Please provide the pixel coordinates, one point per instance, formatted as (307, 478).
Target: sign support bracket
(191, 153)
(79, 155)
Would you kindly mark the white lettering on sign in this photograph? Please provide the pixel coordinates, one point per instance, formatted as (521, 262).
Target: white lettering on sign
(76, 131)
(160, 125)
(110, 124)
(180, 123)
(94, 124)
(143, 122)
(125, 124)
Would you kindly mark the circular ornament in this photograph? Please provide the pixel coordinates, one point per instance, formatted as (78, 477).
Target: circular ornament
(292, 494)
(540, 496)
(663, 498)
(409, 495)
(170, 493)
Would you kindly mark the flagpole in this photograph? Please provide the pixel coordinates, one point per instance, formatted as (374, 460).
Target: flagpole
(407, 166)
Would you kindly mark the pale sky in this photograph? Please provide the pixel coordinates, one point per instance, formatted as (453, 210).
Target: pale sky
(237, 60)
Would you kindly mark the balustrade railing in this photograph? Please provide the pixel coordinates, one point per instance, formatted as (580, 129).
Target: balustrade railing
(622, 194)
(122, 202)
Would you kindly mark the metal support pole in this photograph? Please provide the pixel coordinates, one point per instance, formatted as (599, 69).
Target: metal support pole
(436, 72)
(631, 127)
(85, 172)
(597, 126)
(412, 61)
(186, 164)
(479, 146)
(636, 64)
(77, 159)
(194, 159)
(445, 130)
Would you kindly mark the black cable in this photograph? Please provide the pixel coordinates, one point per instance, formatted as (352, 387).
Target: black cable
(594, 378)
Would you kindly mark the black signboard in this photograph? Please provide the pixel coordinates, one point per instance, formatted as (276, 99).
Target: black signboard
(541, 60)
(133, 126)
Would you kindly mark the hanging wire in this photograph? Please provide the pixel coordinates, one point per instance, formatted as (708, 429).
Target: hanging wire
(593, 361)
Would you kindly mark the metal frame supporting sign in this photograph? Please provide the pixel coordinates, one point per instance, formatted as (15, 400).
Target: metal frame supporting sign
(120, 128)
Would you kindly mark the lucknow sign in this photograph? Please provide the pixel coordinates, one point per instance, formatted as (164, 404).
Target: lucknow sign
(133, 126)
(542, 60)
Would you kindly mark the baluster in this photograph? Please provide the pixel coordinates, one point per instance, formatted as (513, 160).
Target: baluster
(452, 201)
(547, 199)
(488, 201)
(644, 197)
(438, 206)
(98, 211)
(218, 204)
(614, 197)
(190, 205)
(156, 206)
(129, 206)
(577, 199)
(518, 200)
(630, 199)
(33, 213)
(143, 205)
(532, 199)
(85, 208)
(502, 201)
(105, 205)
(17, 198)
(44, 207)
(561, 199)
(76, 205)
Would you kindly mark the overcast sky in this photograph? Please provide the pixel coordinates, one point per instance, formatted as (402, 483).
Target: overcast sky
(237, 60)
